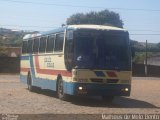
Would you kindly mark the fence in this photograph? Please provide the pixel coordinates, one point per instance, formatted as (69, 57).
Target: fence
(139, 70)
(12, 65)
(9, 64)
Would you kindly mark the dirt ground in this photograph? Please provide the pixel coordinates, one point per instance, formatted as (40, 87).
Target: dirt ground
(16, 99)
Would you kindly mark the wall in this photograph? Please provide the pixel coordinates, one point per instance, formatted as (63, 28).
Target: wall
(139, 70)
(154, 61)
(9, 65)
(12, 65)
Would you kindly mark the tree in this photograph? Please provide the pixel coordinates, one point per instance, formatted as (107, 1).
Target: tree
(158, 45)
(3, 51)
(104, 17)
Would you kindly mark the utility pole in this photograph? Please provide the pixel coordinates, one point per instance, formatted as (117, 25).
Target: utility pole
(146, 71)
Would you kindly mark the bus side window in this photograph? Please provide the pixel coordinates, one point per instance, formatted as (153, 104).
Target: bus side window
(24, 47)
(69, 50)
(36, 45)
(59, 42)
(50, 43)
(30, 46)
(42, 44)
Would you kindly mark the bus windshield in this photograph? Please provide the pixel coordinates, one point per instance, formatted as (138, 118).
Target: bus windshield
(102, 50)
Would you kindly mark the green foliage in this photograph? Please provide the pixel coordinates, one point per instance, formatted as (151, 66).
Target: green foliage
(158, 46)
(3, 51)
(141, 46)
(140, 56)
(104, 17)
(11, 38)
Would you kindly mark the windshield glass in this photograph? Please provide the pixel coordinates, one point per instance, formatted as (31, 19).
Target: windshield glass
(102, 50)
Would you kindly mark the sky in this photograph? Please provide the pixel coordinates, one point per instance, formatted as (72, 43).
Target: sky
(141, 17)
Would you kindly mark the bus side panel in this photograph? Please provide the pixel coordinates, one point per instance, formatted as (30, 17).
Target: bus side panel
(44, 83)
(45, 69)
(24, 69)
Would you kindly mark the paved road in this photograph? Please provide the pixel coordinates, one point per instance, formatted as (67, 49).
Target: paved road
(16, 99)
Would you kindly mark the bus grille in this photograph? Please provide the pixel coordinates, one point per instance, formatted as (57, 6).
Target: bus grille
(112, 80)
(96, 80)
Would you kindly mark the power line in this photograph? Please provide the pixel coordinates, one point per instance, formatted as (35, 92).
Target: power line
(58, 27)
(69, 5)
(27, 26)
(21, 26)
(143, 30)
(145, 34)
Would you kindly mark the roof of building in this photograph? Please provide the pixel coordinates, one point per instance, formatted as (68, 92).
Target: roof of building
(13, 51)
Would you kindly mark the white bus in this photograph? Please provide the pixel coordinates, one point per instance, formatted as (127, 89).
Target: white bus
(86, 60)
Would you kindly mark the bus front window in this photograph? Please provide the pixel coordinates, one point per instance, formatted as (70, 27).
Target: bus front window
(102, 50)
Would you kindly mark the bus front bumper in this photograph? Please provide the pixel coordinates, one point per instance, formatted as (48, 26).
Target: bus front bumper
(92, 89)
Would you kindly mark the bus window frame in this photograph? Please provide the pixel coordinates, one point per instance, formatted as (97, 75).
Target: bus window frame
(53, 43)
(31, 52)
(62, 51)
(47, 37)
(38, 45)
(26, 49)
(67, 38)
(43, 52)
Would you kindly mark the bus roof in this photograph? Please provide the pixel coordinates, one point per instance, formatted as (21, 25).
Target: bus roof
(96, 27)
(28, 36)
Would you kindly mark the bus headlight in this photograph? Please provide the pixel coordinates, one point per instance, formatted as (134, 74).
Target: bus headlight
(126, 89)
(80, 88)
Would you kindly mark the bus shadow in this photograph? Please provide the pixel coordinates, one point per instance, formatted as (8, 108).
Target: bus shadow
(118, 102)
(46, 92)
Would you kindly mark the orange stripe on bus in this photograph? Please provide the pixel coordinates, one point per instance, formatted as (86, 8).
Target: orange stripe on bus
(24, 69)
(49, 71)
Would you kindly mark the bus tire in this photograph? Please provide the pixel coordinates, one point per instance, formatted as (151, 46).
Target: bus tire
(108, 99)
(29, 82)
(60, 89)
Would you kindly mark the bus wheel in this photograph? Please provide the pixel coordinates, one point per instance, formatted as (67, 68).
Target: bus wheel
(29, 82)
(108, 99)
(60, 92)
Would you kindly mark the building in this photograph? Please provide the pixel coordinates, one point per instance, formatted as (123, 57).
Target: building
(154, 60)
(13, 51)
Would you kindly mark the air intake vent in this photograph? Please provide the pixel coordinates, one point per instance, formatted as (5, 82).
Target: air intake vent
(96, 80)
(112, 80)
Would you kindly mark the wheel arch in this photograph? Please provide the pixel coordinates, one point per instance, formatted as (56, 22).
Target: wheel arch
(29, 73)
(59, 76)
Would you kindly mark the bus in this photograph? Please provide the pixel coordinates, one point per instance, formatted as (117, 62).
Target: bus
(80, 60)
